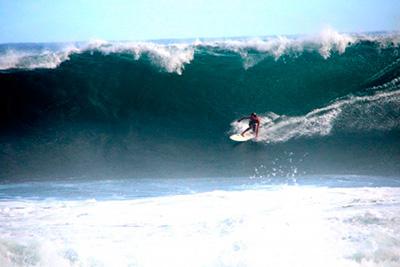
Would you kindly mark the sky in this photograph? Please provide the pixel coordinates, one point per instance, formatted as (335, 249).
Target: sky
(82, 20)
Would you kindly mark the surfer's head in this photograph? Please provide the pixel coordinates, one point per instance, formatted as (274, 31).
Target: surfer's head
(253, 114)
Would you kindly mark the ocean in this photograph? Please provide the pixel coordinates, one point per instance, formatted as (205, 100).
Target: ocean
(117, 153)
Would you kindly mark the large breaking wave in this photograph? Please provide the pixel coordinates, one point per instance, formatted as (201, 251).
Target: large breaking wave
(167, 108)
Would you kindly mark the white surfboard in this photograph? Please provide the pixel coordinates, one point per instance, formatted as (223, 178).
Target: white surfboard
(239, 138)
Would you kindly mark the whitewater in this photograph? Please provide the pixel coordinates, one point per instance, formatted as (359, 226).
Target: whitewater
(117, 153)
(188, 222)
(173, 55)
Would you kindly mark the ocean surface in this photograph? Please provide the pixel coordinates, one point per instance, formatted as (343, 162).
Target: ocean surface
(118, 153)
(308, 221)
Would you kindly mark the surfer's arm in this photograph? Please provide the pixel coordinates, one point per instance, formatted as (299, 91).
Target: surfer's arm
(244, 118)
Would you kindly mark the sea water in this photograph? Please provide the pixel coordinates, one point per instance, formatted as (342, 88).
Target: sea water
(130, 122)
(309, 221)
(328, 104)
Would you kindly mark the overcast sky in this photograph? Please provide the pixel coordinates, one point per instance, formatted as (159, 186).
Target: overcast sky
(80, 20)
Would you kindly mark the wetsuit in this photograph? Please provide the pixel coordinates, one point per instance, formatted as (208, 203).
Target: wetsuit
(253, 121)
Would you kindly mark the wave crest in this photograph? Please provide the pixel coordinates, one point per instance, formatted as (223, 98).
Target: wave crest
(172, 57)
(46, 59)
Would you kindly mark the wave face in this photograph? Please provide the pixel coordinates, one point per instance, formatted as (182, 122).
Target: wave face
(328, 103)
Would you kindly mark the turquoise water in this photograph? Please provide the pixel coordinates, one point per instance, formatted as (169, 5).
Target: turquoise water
(118, 153)
(329, 104)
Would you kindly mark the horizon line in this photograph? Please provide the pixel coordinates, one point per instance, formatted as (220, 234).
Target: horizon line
(160, 40)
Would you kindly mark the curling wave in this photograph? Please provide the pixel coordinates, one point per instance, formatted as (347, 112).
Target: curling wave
(172, 56)
(329, 103)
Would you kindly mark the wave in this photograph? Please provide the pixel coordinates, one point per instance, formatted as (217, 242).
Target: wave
(173, 56)
(329, 103)
(379, 111)
(13, 59)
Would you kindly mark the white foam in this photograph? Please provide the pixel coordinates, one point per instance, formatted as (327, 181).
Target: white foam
(331, 40)
(275, 47)
(326, 42)
(13, 59)
(350, 114)
(170, 58)
(280, 226)
(173, 57)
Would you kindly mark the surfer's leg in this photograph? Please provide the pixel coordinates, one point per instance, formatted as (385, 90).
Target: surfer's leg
(242, 134)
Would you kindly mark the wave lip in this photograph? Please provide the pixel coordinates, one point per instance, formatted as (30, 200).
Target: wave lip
(172, 57)
(45, 59)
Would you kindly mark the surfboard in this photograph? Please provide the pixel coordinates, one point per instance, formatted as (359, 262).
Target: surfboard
(239, 138)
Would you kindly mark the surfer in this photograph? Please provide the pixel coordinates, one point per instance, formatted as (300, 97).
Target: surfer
(254, 123)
